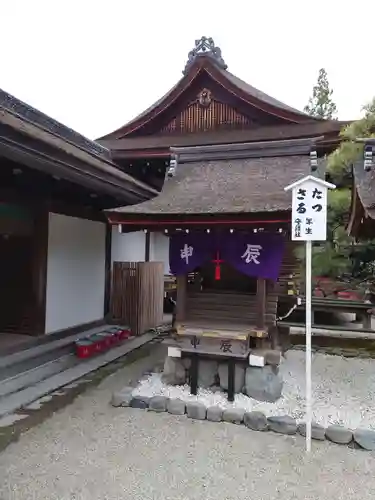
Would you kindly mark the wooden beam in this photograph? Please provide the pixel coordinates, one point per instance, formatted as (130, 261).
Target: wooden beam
(108, 259)
(147, 246)
(181, 298)
(261, 303)
(40, 254)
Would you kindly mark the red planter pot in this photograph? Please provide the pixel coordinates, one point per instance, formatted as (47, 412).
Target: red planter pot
(106, 339)
(116, 334)
(124, 333)
(84, 348)
(98, 342)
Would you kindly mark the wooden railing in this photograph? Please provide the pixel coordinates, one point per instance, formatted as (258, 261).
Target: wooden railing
(137, 294)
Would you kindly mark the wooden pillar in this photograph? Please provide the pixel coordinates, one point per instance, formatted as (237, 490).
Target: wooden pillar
(40, 254)
(108, 274)
(181, 298)
(261, 303)
(147, 246)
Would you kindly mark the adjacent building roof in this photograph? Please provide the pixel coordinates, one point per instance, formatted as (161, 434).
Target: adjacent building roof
(228, 179)
(16, 106)
(30, 136)
(364, 184)
(362, 212)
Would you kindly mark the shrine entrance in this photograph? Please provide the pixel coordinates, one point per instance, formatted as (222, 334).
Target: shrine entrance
(225, 282)
(218, 275)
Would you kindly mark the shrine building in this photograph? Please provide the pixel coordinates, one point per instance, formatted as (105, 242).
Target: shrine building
(208, 106)
(55, 243)
(220, 152)
(204, 166)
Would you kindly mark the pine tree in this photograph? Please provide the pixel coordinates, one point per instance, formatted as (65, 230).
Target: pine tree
(349, 151)
(321, 104)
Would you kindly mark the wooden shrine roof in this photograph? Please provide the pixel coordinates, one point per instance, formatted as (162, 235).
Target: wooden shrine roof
(210, 105)
(16, 106)
(273, 132)
(29, 136)
(249, 178)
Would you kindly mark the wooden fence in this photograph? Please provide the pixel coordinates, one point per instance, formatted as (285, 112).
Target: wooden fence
(137, 294)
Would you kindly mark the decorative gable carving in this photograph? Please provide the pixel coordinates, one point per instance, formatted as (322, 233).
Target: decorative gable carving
(206, 113)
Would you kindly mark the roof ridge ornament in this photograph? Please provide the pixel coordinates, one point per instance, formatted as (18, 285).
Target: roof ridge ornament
(205, 47)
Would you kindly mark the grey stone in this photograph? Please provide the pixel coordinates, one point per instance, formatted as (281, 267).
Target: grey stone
(187, 363)
(338, 434)
(122, 398)
(176, 406)
(350, 353)
(365, 438)
(272, 357)
(158, 403)
(196, 410)
(207, 373)
(239, 376)
(256, 420)
(174, 372)
(214, 414)
(318, 432)
(141, 402)
(283, 424)
(233, 415)
(337, 351)
(263, 384)
(364, 355)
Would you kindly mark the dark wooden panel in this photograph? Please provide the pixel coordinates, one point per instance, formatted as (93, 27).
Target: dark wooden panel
(229, 308)
(40, 239)
(216, 116)
(137, 294)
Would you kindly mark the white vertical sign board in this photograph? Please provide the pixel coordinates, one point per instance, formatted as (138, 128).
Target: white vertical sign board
(309, 223)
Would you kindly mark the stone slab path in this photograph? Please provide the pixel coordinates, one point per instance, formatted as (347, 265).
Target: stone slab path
(90, 450)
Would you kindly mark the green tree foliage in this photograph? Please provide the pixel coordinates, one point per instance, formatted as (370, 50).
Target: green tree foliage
(333, 258)
(321, 104)
(360, 257)
(341, 160)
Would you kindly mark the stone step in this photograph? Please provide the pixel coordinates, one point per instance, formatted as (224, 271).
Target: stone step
(17, 400)
(34, 375)
(33, 352)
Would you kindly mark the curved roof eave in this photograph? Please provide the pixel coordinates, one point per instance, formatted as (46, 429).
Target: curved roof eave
(232, 83)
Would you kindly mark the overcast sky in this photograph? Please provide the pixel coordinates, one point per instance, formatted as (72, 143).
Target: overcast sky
(93, 65)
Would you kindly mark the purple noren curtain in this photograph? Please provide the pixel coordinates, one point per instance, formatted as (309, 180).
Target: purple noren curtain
(253, 254)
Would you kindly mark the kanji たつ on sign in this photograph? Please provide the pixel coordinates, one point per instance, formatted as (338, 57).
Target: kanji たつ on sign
(309, 209)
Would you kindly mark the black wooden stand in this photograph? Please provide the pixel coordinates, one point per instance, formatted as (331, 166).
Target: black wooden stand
(194, 367)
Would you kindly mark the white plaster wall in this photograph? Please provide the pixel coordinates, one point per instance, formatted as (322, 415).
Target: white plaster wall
(75, 272)
(160, 250)
(128, 247)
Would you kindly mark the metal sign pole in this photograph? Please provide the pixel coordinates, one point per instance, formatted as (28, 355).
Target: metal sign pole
(309, 223)
(308, 346)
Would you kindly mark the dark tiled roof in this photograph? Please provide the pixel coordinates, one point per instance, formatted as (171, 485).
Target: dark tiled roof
(227, 186)
(26, 112)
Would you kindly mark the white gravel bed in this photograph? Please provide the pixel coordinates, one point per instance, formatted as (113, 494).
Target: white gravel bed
(343, 391)
(92, 451)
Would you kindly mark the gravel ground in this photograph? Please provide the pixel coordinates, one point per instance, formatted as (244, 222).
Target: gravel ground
(93, 451)
(343, 391)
